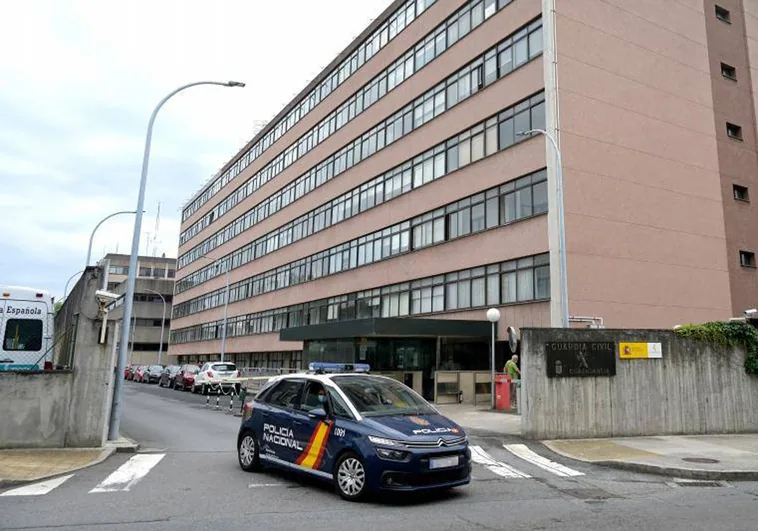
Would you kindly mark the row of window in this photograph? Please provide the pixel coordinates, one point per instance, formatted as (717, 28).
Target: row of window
(516, 281)
(250, 363)
(457, 26)
(502, 205)
(396, 23)
(484, 139)
(148, 272)
(483, 71)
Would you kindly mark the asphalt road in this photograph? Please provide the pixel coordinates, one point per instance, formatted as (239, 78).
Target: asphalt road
(195, 483)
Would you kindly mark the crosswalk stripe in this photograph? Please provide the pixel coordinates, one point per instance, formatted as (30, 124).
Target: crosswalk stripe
(478, 455)
(522, 451)
(128, 474)
(38, 489)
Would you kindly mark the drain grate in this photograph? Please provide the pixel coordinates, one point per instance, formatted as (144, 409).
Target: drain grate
(699, 483)
(700, 460)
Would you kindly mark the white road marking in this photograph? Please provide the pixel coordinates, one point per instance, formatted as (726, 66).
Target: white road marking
(478, 455)
(128, 474)
(522, 451)
(261, 485)
(38, 489)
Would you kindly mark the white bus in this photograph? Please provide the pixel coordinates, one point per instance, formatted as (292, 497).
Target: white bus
(26, 328)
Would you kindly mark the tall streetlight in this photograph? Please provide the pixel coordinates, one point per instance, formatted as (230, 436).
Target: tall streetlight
(226, 304)
(113, 432)
(163, 322)
(65, 290)
(92, 236)
(561, 224)
(493, 316)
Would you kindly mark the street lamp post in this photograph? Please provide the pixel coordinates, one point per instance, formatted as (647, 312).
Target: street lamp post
(65, 290)
(92, 236)
(226, 304)
(113, 432)
(493, 316)
(163, 322)
(561, 224)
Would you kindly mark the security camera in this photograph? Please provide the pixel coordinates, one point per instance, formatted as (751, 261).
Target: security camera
(751, 312)
(106, 296)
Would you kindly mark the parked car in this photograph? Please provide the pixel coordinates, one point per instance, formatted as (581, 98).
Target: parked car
(168, 376)
(215, 370)
(152, 373)
(139, 374)
(186, 377)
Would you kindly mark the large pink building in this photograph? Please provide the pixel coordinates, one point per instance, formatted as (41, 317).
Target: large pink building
(396, 185)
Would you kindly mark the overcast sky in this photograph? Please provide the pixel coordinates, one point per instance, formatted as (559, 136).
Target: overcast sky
(78, 81)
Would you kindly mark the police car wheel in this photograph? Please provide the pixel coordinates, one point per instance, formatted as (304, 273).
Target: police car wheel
(247, 453)
(350, 477)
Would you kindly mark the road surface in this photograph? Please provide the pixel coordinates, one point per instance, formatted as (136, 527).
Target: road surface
(186, 477)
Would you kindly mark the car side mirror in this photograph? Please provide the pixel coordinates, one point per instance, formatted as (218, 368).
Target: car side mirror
(318, 413)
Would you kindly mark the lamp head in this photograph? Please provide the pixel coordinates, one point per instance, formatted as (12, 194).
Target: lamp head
(235, 84)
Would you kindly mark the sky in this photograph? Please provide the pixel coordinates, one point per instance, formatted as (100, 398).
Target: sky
(78, 81)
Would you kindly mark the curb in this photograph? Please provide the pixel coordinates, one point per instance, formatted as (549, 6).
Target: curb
(660, 470)
(131, 447)
(104, 454)
(684, 473)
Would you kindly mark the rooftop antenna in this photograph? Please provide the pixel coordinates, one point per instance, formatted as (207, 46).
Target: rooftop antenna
(157, 229)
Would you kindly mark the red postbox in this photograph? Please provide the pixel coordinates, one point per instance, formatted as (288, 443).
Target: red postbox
(502, 392)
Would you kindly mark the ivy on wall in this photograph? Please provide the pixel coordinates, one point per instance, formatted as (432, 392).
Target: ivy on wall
(727, 334)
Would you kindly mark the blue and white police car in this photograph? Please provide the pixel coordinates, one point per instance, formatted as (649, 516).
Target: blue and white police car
(363, 432)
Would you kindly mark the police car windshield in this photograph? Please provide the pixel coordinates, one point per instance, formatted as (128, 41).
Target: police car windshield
(374, 397)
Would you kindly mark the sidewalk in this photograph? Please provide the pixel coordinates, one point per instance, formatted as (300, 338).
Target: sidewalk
(705, 457)
(30, 465)
(482, 418)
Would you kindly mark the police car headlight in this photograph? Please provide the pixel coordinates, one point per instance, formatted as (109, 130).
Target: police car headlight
(383, 442)
(394, 455)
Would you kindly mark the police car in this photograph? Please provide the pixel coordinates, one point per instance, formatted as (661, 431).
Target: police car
(361, 431)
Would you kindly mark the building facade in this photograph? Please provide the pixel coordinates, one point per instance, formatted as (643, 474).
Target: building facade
(404, 181)
(153, 299)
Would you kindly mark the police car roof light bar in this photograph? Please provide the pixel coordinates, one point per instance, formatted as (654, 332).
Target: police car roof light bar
(323, 367)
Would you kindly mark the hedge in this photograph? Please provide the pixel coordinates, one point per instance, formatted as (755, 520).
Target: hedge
(727, 334)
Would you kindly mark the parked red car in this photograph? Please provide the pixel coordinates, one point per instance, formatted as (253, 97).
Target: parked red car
(140, 374)
(186, 377)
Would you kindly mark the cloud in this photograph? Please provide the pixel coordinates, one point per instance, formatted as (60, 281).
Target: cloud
(80, 79)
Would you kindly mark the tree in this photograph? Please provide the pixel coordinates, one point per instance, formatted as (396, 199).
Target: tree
(58, 306)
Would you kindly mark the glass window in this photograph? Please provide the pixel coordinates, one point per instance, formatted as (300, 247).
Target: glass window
(477, 147)
(521, 54)
(509, 287)
(507, 134)
(493, 289)
(538, 116)
(540, 197)
(522, 122)
(464, 293)
(285, 394)
(492, 212)
(23, 335)
(477, 217)
(339, 406)
(542, 282)
(451, 302)
(311, 397)
(524, 203)
(535, 42)
(478, 292)
(373, 396)
(525, 285)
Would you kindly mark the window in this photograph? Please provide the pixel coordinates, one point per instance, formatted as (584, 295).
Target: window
(741, 193)
(311, 398)
(723, 14)
(145, 271)
(23, 335)
(728, 71)
(339, 406)
(747, 259)
(734, 131)
(285, 394)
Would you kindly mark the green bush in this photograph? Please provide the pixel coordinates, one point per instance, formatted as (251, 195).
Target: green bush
(727, 334)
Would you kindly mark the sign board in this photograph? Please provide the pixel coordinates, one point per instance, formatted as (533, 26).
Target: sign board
(628, 351)
(570, 359)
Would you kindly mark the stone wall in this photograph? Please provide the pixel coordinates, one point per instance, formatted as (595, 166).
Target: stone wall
(695, 388)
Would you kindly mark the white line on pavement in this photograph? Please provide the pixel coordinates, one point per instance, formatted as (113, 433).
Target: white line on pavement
(128, 474)
(522, 451)
(38, 489)
(478, 455)
(261, 485)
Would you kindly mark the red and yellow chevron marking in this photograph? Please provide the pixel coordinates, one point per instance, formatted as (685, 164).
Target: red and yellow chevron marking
(314, 452)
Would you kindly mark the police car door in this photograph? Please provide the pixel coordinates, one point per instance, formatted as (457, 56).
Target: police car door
(312, 432)
(276, 437)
